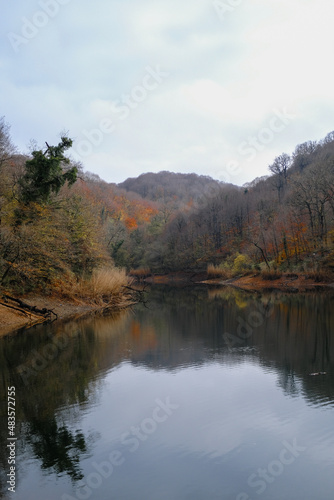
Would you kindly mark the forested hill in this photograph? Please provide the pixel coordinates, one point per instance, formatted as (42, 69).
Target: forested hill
(167, 186)
(59, 223)
(280, 222)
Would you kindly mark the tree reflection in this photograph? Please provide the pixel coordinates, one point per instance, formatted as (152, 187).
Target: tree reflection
(50, 394)
(57, 447)
(287, 381)
(181, 328)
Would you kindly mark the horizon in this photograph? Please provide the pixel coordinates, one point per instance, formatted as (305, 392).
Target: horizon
(233, 166)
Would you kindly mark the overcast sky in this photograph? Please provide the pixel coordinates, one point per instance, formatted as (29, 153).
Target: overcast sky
(214, 87)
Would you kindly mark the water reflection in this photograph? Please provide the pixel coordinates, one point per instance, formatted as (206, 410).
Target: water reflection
(292, 333)
(54, 369)
(59, 371)
(57, 447)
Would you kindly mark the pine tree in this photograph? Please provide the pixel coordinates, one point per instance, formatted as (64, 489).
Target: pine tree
(46, 173)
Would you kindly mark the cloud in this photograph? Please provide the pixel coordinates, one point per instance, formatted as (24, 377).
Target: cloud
(226, 78)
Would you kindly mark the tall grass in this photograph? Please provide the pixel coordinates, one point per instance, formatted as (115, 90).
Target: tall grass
(218, 272)
(106, 283)
(105, 287)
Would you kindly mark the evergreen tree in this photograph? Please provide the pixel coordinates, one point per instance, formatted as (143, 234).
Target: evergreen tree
(46, 173)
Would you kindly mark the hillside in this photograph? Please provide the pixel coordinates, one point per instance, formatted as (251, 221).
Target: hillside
(59, 225)
(278, 223)
(169, 186)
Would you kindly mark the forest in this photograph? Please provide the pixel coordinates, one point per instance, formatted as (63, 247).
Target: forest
(60, 226)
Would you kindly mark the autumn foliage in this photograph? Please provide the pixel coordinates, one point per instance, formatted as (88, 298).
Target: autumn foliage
(59, 227)
(58, 231)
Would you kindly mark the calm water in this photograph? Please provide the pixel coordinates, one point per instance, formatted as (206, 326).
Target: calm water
(204, 395)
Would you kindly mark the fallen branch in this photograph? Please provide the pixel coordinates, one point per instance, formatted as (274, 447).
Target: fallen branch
(46, 313)
(15, 308)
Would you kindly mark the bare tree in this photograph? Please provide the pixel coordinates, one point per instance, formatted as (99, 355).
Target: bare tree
(7, 149)
(280, 170)
(304, 154)
(312, 194)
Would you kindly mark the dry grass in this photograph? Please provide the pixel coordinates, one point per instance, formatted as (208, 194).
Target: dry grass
(107, 282)
(218, 272)
(106, 287)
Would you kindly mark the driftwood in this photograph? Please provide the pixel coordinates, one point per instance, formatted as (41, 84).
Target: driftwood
(15, 308)
(27, 308)
(137, 294)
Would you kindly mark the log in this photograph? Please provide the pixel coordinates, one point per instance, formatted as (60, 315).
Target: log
(46, 313)
(15, 308)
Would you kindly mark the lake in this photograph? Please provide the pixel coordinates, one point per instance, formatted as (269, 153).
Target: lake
(199, 394)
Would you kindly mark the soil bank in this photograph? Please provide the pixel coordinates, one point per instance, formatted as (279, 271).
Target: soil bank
(11, 320)
(289, 282)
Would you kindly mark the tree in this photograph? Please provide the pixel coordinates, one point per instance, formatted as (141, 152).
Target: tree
(281, 165)
(304, 154)
(7, 149)
(46, 173)
(329, 138)
(280, 170)
(312, 193)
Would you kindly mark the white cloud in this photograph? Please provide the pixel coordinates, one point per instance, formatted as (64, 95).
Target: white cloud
(226, 79)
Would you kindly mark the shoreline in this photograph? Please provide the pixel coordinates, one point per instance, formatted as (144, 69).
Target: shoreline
(287, 283)
(13, 320)
(292, 284)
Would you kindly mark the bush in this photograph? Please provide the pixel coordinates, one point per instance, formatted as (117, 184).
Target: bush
(241, 264)
(218, 272)
(271, 275)
(323, 276)
(329, 260)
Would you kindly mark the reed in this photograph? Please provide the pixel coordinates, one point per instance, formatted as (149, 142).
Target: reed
(105, 287)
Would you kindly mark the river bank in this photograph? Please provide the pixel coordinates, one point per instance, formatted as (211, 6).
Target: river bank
(107, 289)
(287, 282)
(12, 320)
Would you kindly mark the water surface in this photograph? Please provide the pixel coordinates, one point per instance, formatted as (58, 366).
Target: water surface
(204, 394)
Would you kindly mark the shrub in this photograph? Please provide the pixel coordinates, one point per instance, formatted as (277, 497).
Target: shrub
(271, 275)
(323, 276)
(218, 272)
(329, 260)
(241, 264)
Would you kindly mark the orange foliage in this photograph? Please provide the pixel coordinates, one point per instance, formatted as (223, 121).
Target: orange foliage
(115, 204)
(130, 223)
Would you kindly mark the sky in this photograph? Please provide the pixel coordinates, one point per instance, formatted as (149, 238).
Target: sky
(218, 88)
